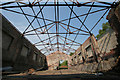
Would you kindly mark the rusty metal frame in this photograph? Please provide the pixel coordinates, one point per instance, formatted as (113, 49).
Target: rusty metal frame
(57, 22)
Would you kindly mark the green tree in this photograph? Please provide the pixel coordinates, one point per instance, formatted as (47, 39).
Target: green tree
(71, 53)
(105, 27)
(65, 63)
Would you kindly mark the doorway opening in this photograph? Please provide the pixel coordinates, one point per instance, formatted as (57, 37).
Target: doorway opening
(63, 64)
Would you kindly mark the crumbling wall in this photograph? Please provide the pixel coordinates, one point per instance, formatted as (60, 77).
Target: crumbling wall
(114, 20)
(17, 52)
(106, 60)
(107, 42)
(54, 58)
(108, 57)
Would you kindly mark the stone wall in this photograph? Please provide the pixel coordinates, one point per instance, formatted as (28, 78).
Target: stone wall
(85, 53)
(106, 58)
(108, 46)
(107, 42)
(17, 51)
(54, 58)
(114, 20)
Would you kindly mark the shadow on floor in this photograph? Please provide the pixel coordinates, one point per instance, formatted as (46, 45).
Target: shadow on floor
(63, 77)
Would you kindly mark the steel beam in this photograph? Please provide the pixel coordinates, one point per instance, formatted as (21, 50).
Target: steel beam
(86, 5)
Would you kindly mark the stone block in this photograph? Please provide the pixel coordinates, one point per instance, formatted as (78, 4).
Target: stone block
(117, 12)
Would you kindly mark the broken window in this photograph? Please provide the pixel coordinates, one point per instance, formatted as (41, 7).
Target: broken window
(6, 40)
(72, 59)
(79, 54)
(35, 56)
(24, 51)
(40, 59)
(75, 57)
(89, 51)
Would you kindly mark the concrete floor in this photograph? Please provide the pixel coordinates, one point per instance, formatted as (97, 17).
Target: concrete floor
(60, 75)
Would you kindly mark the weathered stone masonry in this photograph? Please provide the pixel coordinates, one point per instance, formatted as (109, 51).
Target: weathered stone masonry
(106, 49)
(54, 58)
(17, 51)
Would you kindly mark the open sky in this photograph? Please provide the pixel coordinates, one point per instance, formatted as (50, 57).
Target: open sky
(21, 23)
